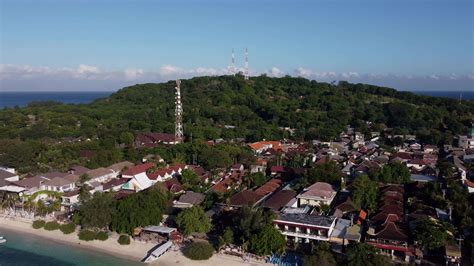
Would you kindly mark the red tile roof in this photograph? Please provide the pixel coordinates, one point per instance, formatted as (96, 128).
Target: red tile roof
(243, 198)
(135, 170)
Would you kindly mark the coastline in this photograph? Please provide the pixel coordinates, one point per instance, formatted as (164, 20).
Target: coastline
(136, 251)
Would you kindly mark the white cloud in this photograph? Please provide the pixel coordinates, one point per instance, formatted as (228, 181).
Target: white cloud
(303, 72)
(133, 73)
(275, 72)
(30, 77)
(169, 70)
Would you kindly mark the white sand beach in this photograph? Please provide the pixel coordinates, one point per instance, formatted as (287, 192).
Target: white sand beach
(136, 251)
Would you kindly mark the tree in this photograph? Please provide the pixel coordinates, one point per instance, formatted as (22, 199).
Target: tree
(199, 250)
(431, 235)
(361, 254)
(250, 222)
(322, 255)
(190, 180)
(226, 238)
(328, 172)
(98, 211)
(396, 173)
(365, 193)
(268, 241)
(140, 209)
(193, 220)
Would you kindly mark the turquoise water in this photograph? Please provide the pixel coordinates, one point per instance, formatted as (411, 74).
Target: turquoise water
(24, 249)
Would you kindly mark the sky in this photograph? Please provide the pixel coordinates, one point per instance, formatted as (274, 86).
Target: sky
(108, 44)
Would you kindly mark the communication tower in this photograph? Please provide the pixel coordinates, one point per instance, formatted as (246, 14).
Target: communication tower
(178, 124)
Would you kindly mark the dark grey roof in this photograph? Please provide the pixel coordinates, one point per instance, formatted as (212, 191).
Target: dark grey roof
(5, 174)
(308, 219)
(192, 197)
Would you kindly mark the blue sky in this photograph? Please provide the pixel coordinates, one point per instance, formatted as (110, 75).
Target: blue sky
(104, 45)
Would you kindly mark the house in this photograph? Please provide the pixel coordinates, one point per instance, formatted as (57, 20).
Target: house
(100, 175)
(150, 140)
(115, 184)
(244, 198)
(391, 240)
(188, 200)
(61, 184)
(237, 167)
(78, 170)
(173, 186)
(6, 177)
(138, 178)
(31, 184)
(118, 168)
(345, 232)
(69, 200)
(466, 142)
(304, 228)
(261, 146)
(317, 194)
(164, 174)
(279, 200)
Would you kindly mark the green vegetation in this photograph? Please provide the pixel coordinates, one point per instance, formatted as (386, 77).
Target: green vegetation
(37, 224)
(392, 173)
(364, 193)
(361, 254)
(140, 209)
(431, 235)
(256, 109)
(98, 211)
(267, 241)
(102, 236)
(87, 235)
(51, 226)
(327, 172)
(320, 256)
(124, 240)
(68, 228)
(255, 179)
(199, 250)
(190, 180)
(226, 238)
(193, 220)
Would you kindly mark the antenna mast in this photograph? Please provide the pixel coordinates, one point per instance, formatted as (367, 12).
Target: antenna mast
(178, 124)
(246, 77)
(232, 67)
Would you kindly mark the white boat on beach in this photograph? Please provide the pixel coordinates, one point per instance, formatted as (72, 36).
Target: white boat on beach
(2, 240)
(157, 251)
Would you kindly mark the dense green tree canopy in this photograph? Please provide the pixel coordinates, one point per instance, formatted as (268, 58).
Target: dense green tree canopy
(267, 241)
(140, 209)
(193, 220)
(29, 136)
(98, 211)
(364, 193)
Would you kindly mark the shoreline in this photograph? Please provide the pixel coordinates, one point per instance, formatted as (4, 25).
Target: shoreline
(135, 252)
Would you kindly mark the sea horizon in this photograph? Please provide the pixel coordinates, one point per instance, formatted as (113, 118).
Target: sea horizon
(11, 99)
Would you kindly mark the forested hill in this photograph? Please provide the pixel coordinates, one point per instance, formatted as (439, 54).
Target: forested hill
(229, 107)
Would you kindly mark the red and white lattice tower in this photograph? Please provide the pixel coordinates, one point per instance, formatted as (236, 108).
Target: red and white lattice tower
(178, 124)
(246, 77)
(232, 67)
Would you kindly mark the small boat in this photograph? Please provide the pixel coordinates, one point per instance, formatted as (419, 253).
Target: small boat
(2, 240)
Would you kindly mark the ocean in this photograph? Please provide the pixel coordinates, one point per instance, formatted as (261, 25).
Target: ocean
(29, 250)
(21, 99)
(466, 95)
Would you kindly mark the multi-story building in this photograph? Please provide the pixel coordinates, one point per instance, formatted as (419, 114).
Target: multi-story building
(303, 228)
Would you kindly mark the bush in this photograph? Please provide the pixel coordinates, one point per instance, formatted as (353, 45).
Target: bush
(86, 235)
(50, 226)
(37, 224)
(124, 240)
(199, 251)
(68, 228)
(102, 236)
